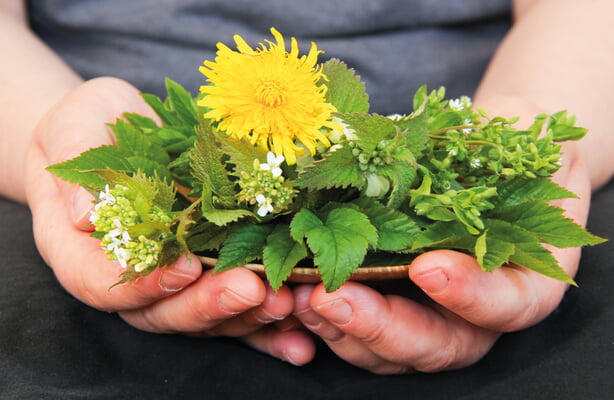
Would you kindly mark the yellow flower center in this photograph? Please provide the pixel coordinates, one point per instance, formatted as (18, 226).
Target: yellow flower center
(270, 93)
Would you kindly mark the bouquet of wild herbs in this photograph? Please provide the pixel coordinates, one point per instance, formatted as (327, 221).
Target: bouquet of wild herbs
(279, 160)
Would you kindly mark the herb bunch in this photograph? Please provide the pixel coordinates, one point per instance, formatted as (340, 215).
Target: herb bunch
(385, 189)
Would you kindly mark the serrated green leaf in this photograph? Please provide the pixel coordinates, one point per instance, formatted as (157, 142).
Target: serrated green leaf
(402, 176)
(133, 142)
(82, 169)
(148, 167)
(167, 116)
(219, 216)
(144, 124)
(491, 252)
(244, 244)
(181, 102)
(442, 235)
(522, 190)
(206, 236)
(370, 129)
(345, 90)
(336, 169)
(209, 170)
(528, 252)
(396, 231)
(281, 254)
(339, 243)
(174, 139)
(413, 132)
(242, 155)
(547, 224)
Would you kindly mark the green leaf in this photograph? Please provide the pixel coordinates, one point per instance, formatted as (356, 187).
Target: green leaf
(174, 139)
(182, 103)
(402, 175)
(244, 244)
(206, 236)
(518, 191)
(492, 252)
(131, 141)
(144, 124)
(219, 216)
(281, 254)
(241, 154)
(563, 127)
(446, 119)
(528, 252)
(167, 116)
(345, 90)
(445, 235)
(547, 224)
(339, 243)
(396, 231)
(336, 169)
(413, 131)
(209, 170)
(82, 169)
(371, 129)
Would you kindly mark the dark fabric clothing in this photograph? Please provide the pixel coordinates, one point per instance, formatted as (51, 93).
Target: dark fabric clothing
(395, 46)
(54, 347)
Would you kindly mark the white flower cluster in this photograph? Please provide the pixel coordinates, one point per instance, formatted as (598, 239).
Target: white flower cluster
(113, 215)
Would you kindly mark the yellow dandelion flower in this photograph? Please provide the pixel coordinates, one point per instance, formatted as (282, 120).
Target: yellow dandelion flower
(268, 96)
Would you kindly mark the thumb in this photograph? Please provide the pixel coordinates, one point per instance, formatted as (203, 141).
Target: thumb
(79, 123)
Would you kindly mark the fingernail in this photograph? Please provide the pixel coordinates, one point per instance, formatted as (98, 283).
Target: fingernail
(265, 317)
(309, 318)
(179, 275)
(233, 303)
(285, 356)
(82, 203)
(338, 311)
(433, 281)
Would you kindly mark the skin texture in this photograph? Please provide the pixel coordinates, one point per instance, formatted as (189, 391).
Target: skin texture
(549, 57)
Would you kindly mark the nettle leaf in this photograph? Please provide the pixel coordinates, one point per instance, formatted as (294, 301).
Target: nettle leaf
(219, 216)
(174, 139)
(336, 169)
(208, 168)
(144, 124)
(148, 167)
(241, 154)
(547, 224)
(206, 236)
(413, 131)
(345, 90)
(339, 243)
(371, 129)
(245, 243)
(528, 251)
(396, 231)
(281, 254)
(518, 191)
(182, 103)
(402, 175)
(133, 142)
(83, 169)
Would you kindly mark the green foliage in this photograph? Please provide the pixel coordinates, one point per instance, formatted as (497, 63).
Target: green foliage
(445, 176)
(345, 90)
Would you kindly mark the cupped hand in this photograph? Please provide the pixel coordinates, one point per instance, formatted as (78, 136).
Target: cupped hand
(466, 312)
(177, 299)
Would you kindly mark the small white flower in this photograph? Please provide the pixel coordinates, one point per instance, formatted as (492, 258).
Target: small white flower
(119, 232)
(265, 205)
(122, 256)
(106, 198)
(456, 104)
(475, 163)
(467, 123)
(272, 164)
(395, 117)
(452, 153)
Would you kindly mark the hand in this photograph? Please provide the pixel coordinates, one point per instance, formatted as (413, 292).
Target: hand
(469, 310)
(177, 299)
